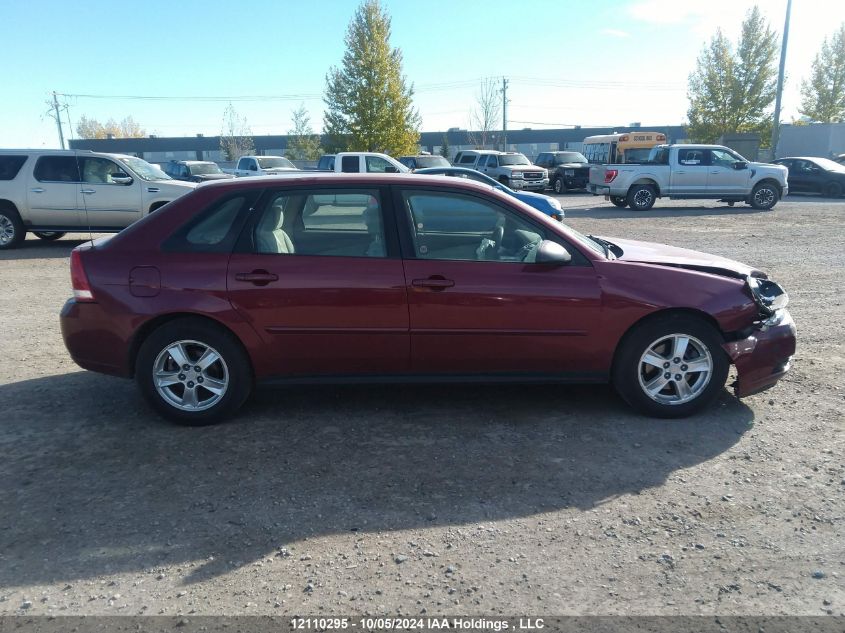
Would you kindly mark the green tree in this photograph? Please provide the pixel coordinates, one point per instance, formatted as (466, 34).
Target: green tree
(303, 144)
(236, 136)
(369, 105)
(91, 128)
(823, 94)
(444, 146)
(732, 90)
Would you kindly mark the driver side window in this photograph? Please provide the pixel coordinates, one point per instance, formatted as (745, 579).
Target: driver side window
(453, 226)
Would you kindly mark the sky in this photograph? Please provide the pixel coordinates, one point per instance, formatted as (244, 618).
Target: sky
(568, 62)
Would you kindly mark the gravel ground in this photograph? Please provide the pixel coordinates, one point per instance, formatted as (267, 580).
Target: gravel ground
(436, 500)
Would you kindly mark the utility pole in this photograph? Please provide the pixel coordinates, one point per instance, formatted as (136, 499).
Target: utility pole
(58, 118)
(504, 114)
(776, 125)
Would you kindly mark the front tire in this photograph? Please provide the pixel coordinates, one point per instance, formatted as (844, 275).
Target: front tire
(49, 236)
(764, 196)
(558, 186)
(685, 348)
(193, 372)
(12, 231)
(619, 201)
(641, 197)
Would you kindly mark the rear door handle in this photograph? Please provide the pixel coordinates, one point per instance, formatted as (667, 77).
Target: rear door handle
(89, 191)
(437, 283)
(257, 277)
(37, 190)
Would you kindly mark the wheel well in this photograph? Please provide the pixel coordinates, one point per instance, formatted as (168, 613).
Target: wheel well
(667, 313)
(157, 205)
(770, 181)
(153, 324)
(8, 204)
(646, 181)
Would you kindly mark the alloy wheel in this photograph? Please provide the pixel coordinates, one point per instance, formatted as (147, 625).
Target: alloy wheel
(675, 369)
(764, 197)
(190, 375)
(7, 230)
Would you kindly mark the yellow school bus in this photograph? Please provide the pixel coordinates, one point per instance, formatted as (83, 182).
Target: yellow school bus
(627, 147)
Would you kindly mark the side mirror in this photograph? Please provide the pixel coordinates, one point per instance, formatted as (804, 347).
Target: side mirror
(121, 179)
(549, 252)
(390, 169)
(740, 165)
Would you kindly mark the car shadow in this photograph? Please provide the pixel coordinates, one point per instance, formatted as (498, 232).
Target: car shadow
(94, 483)
(35, 248)
(611, 212)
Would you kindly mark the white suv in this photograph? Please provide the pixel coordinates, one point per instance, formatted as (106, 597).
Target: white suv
(52, 192)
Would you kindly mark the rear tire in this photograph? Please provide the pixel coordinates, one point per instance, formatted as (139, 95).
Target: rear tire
(558, 186)
(12, 231)
(166, 372)
(49, 236)
(639, 369)
(641, 197)
(833, 190)
(764, 196)
(619, 201)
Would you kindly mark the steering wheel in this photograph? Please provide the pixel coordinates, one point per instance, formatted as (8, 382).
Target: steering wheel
(498, 236)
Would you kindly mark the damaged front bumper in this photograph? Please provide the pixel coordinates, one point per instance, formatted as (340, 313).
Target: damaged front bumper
(763, 357)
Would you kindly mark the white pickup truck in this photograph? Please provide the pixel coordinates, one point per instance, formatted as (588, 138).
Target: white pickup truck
(53, 192)
(690, 172)
(360, 163)
(262, 166)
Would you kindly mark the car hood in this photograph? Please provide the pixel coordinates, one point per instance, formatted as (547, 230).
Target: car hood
(172, 184)
(204, 177)
(522, 168)
(530, 195)
(663, 255)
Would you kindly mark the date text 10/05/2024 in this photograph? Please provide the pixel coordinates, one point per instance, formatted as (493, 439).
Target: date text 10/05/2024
(416, 624)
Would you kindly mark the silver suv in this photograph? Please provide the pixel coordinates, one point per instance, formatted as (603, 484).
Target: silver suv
(513, 170)
(52, 192)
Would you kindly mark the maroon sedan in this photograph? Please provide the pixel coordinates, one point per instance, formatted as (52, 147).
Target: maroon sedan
(333, 278)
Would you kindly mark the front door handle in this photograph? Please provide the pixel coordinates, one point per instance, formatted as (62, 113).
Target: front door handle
(436, 283)
(37, 190)
(257, 277)
(89, 191)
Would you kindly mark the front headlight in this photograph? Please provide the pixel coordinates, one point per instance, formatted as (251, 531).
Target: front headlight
(768, 295)
(517, 174)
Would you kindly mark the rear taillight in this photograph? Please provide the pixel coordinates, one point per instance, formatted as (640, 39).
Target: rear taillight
(610, 175)
(78, 278)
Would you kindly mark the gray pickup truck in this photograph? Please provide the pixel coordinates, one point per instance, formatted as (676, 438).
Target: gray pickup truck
(690, 172)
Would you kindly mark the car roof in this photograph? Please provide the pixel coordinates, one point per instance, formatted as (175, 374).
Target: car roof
(332, 178)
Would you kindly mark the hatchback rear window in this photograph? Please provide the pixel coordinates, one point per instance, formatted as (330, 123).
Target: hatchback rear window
(470, 158)
(10, 166)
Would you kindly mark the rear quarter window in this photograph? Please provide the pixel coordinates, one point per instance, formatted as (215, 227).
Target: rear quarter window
(215, 229)
(10, 166)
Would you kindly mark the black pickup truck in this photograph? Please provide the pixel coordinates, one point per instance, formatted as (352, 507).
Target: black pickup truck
(567, 170)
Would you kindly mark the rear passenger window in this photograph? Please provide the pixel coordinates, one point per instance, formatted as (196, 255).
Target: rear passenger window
(10, 166)
(691, 157)
(57, 169)
(325, 223)
(467, 159)
(349, 164)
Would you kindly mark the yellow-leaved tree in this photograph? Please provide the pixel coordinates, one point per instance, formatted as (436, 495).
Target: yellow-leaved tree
(369, 105)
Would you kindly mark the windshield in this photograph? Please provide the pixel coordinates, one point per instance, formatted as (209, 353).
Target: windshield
(569, 157)
(270, 162)
(432, 161)
(143, 169)
(204, 168)
(513, 159)
(829, 165)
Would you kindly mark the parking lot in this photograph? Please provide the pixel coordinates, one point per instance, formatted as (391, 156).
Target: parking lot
(439, 500)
